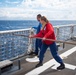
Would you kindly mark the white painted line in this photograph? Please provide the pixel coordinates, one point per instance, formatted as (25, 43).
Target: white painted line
(39, 70)
(34, 59)
(48, 64)
(56, 65)
(69, 66)
(67, 53)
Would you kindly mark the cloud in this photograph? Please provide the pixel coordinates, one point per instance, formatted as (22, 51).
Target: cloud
(16, 13)
(28, 9)
(53, 4)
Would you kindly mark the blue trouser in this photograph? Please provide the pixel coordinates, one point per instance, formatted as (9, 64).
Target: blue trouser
(38, 44)
(53, 49)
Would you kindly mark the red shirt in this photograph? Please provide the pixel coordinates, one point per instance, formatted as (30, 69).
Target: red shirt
(48, 33)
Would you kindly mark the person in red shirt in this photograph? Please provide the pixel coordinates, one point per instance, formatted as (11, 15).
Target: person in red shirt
(47, 32)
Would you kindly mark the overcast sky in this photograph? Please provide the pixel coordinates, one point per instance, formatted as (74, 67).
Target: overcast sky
(28, 9)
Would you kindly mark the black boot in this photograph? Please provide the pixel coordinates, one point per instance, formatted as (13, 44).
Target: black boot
(33, 53)
(62, 66)
(39, 64)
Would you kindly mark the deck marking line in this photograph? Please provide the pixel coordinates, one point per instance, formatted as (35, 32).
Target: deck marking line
(34, 59)
(69, 66)
(48, 64)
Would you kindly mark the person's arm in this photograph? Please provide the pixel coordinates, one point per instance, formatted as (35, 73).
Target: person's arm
(38, 28)
(35, 27)
(37, 35)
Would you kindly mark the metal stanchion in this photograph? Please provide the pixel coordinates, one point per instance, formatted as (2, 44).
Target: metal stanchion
(19, 65)
(63, 45)
(0, 71)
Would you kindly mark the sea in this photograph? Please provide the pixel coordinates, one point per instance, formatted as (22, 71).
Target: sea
(23, 24)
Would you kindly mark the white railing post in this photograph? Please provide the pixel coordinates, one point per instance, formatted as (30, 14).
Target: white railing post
(57, 33)
(30, 43)
(72, 30)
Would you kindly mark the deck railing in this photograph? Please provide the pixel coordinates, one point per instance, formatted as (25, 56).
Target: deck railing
(65, 32)
(12, 46)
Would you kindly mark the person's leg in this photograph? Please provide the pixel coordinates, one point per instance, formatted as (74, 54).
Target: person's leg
(41, 55)
(36, 47)
(42, 51)
(53, 49)
(39, 43)
(39, 46)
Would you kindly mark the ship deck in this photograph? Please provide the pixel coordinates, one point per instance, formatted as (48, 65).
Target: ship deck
(28, 68)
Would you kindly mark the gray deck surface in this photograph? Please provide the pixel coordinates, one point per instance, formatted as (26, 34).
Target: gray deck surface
(27, 66)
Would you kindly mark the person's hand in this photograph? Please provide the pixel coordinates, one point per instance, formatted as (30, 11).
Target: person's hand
(31, 36)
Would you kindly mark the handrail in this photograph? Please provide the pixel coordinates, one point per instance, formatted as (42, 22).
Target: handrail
(18, 30)
(65, 25)
(12, 31)
(59, 41)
